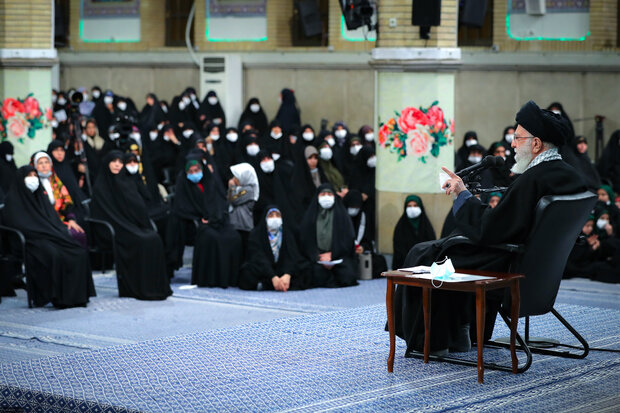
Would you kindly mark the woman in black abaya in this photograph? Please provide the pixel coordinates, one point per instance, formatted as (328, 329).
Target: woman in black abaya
(274, 259)
(211, 112)
(609, 164)
(254, 115)
(413, 227)
(140, 263)
(151, 114)
(63, 170)
(470, 139)
(7, 166)
(288, 113)
(585, 166)
(327, 236)
(58, 266)
(308, 176)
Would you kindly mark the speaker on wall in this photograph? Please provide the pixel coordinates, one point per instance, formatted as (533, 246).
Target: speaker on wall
(310, 17)
(473, 13)
(426, 13)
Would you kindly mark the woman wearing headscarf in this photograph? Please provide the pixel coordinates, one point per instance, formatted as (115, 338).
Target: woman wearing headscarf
(217, 246)
(500, 175)
(165, 153)
(342, 147)
(506, 141)
(247, 150)
(243, 192)
(58, 195)
(58, 266)
(413, 227)
(151, 114)
(367, 135)
(7, 166)
(211, 112)
(65, 173)
(363, 230)
(609, 164)
(274, 259)
(254, 115)
(308, 176)
(332, 173)
(288, 113)
(585, 165)
(140, 262)
(327, 241)
(470, 139)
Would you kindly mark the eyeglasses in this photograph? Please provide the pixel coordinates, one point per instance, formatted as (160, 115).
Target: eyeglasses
(524, 137)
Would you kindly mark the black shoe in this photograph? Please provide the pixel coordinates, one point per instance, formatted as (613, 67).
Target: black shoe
(462, 342)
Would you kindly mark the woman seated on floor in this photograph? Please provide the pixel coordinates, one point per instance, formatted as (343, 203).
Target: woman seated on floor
(328, 242)
(58, 195)
(199, 211)
(274, 261)
(412, 227)
(58, 267)
(139, 255)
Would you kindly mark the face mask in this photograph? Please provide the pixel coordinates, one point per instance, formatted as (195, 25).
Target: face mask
(85, 95)
(326, 201)
(232, 137)
(195, 178)
(8, 157)
(413, 212)
(209, 147)
(326, 154)
(353, 211)
(215, 137)
(32, 183)
(153, 135)
(186, 100)
(340, 133)
(276, 135)
(61, 101)
(182, 105)
(114, 136)
(308, 136)
(274, 223)
(470, 142)
(252, 150)
(136, 136)
(331, 141)
(268, 166)
(217, 121)
(275, 156)
(557, 112)
(601, 223)
(44, 175)
(192, 96)
(54, 123)
(96, 94)
(108, 100)
(509, 137)
(164, 109)
(187, 133)
(54, 97)
(212, 100)
(355, 149)
(132, 169)
(255, 107)
(474, 159)
(369, 137)
(372, 162)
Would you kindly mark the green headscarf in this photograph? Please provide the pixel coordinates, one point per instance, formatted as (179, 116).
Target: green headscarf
(191, 163)
(415, 222)
(610, 192)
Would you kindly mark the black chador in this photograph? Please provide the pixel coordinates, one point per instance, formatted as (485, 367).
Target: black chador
(57, 265)
(140, 260)
(410, 231)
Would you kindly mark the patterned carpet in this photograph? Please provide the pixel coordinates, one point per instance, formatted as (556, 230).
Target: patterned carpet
(230, 350)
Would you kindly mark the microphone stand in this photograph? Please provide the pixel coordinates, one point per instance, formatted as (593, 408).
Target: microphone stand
(472, 182)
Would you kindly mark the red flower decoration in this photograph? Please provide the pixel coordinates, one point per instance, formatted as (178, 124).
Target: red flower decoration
(435, 115)
(31, 107)
(418, 141)
(410, 118)
(10, 106)
(384, 132)
(48, 114)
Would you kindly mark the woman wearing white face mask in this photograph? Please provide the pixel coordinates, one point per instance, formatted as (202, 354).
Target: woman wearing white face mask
(328, 241)
(367, 136)
(274, 261)
(470, 138)
(413, 227)
(254, 115)
(8, 169)
(211, 112)
(332, 173)
(53, 258)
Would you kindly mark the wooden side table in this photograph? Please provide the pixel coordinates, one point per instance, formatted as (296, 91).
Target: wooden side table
(501, 280)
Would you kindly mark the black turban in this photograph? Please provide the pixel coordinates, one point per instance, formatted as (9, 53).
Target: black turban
(543, 124)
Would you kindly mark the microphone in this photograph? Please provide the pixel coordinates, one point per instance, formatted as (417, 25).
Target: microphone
(488, 162)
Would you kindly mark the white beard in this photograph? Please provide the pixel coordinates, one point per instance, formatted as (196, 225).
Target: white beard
(523, 157)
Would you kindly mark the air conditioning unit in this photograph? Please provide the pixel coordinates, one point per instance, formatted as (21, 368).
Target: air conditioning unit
(223, 73)
(535, 7)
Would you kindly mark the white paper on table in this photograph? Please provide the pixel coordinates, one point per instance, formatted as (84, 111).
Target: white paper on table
(454, 278)
(420, 269)
(330, 263)
(443, 178)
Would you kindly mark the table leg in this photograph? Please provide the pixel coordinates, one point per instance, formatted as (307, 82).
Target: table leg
(514, 321)
(426, 304)
(390, 316)
(480, 314)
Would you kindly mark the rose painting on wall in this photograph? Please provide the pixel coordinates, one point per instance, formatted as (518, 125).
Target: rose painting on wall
(415, 130)
(21, 118)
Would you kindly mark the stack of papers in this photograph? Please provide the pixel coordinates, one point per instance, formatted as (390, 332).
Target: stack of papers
(424, 272)
(330, 263)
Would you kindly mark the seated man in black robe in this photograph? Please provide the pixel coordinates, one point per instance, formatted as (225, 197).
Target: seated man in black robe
(542, 172)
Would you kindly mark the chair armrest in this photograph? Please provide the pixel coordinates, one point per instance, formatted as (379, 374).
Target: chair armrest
(153, 225)
(460, 239)
(106, 224)
(196, 223)
(20, 236)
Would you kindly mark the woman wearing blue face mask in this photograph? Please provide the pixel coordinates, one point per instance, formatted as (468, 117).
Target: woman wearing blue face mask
(200, 218)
